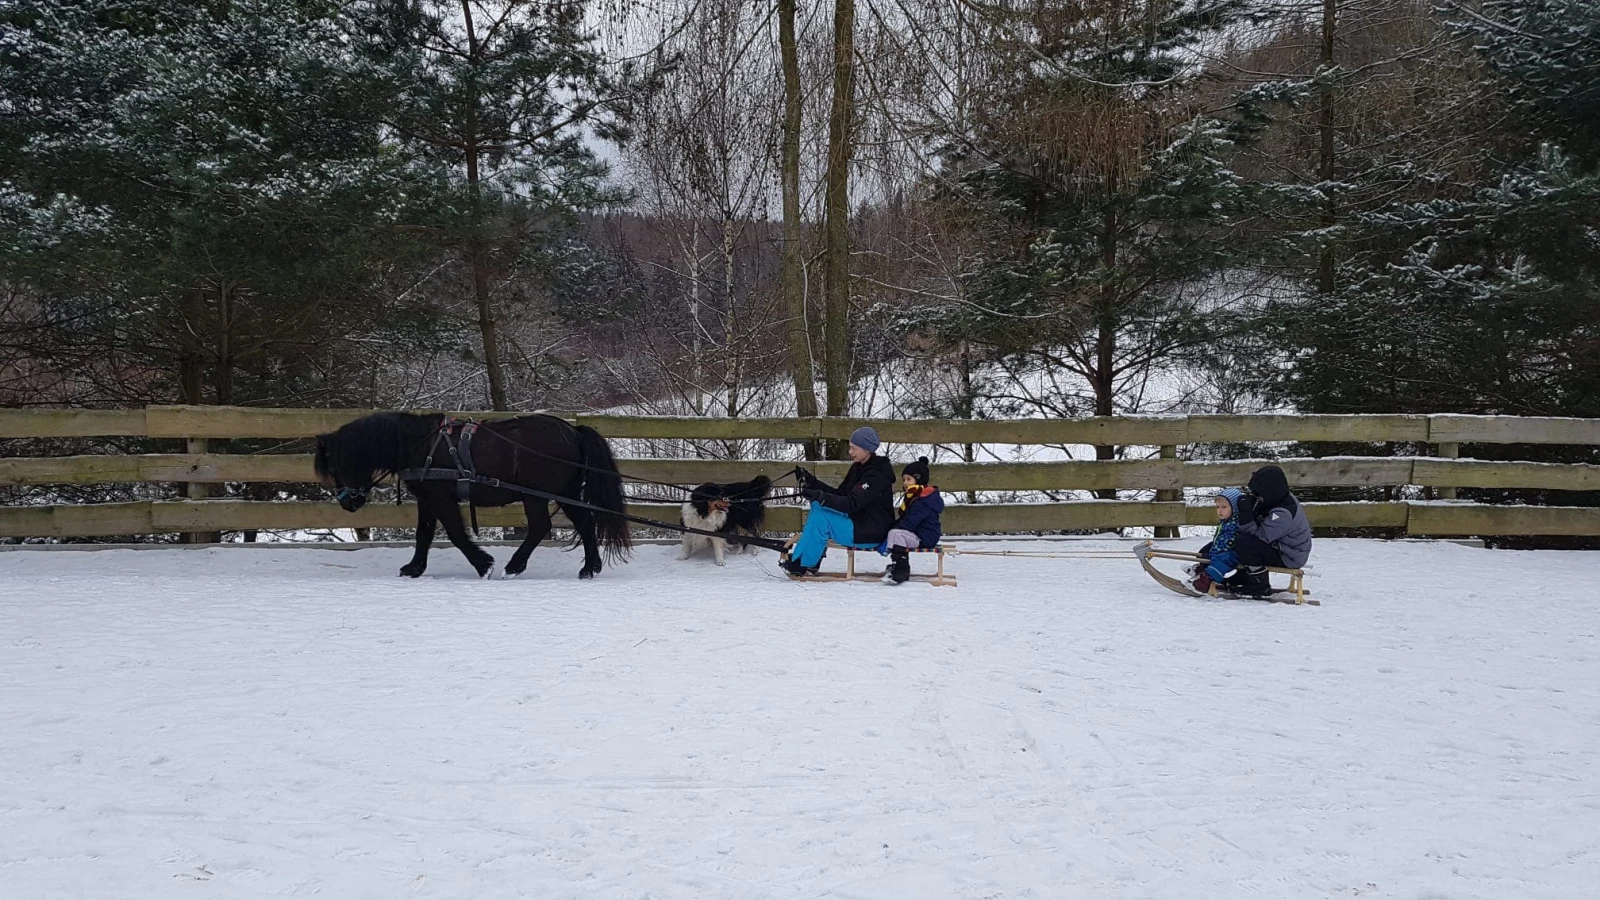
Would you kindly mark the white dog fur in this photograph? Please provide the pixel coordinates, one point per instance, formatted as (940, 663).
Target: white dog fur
(713, 522)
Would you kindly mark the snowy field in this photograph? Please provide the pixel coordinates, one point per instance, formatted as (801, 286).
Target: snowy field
(244, 723)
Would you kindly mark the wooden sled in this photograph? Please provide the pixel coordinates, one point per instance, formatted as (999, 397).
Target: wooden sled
(1295, 593)
(941, 578)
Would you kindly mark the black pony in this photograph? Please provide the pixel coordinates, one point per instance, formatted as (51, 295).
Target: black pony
(543, 453)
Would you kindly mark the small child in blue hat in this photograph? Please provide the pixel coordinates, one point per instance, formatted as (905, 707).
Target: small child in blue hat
(1222, 558)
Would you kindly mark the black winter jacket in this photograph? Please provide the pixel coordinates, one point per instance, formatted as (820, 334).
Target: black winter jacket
(867, 496)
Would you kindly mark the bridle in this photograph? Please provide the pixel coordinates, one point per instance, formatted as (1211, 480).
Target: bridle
(357, 493)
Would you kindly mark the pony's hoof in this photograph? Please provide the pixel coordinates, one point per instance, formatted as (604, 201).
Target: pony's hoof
(412, 570)
(512, 570)
(486, 569)
(586, 573)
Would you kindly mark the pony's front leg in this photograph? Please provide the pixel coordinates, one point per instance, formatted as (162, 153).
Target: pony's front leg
(450, 517)
(426, 521)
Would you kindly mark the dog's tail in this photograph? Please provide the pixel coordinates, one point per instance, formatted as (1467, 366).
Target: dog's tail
(759, 487)
(602, 487)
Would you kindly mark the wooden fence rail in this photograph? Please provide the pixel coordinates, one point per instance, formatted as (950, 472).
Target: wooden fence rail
(173, 516)
(1167, 474)
(1151, 431)
(1129, 474)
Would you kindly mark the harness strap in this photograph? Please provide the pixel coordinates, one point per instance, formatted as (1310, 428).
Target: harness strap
(453, 475)
(462, 451)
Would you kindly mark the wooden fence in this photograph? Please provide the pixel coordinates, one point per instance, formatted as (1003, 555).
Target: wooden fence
(1167, 474)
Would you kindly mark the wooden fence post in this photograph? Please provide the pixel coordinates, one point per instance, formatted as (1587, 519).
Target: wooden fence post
(199, 491)
(1449, 450)
(1168, 451)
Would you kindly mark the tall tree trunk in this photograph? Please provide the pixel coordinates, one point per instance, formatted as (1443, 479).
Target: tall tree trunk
(791, 281)
(836, 235)
(191, 349)
(697, 394)
(224, 344)
(192, 385)
(1105, 372)
(1325, 169)
(477, 249)
(969, 406)
(486, 325)
(732, 350)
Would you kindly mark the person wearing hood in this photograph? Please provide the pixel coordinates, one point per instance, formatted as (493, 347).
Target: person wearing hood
(918, 526)
(857, 513)
(1273, 530)
(1221, 560)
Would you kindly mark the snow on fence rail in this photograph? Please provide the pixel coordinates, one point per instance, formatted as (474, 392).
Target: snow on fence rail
(1168, 474)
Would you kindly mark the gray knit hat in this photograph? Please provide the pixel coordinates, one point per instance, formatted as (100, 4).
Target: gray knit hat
(865, 438)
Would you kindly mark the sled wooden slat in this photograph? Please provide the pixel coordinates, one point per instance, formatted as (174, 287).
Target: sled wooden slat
(941, 578)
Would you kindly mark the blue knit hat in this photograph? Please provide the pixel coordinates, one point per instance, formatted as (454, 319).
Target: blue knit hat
(1232, 495)
(865, 438)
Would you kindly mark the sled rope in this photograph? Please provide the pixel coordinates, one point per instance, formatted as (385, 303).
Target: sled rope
(1029, 554)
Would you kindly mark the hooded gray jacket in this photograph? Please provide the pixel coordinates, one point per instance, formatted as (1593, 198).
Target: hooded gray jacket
(1285, 527)
(1277, 517)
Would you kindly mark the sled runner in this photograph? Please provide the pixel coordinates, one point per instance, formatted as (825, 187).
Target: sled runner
(1294, 593)
(941, 578)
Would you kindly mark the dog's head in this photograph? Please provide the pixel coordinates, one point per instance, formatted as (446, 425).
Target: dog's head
(709, 498)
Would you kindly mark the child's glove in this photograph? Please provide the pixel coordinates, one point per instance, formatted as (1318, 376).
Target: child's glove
(812, 494)
(804, 476)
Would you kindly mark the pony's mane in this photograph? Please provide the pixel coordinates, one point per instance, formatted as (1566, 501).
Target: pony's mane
(381, 444)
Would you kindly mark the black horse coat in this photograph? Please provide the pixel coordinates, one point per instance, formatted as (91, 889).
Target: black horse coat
(543, 453)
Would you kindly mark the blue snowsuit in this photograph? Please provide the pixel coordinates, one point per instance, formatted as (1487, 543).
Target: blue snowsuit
(1224, 558)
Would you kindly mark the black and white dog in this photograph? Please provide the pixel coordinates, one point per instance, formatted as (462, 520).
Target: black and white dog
(726, 508)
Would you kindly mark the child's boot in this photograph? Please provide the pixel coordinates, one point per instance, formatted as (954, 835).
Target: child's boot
(1255, 582)
(899, 565)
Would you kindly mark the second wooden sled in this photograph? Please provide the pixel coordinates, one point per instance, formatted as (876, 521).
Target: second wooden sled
(1295, 593)
(941, 578)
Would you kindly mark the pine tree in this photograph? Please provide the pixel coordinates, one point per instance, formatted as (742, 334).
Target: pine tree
(1481, 300)
(198, 192)
(499, 99)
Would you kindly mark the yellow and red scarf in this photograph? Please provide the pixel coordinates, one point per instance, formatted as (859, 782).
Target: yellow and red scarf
(911, 494)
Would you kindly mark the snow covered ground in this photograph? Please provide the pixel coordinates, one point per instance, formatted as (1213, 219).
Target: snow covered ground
(241, 723)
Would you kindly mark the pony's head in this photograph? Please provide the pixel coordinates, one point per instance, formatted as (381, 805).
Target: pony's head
(334, 469)
(352, 459)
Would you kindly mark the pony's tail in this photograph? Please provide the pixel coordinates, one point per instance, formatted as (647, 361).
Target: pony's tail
(602, 487)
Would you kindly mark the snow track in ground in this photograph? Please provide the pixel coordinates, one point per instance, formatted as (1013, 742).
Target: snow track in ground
(238, 723)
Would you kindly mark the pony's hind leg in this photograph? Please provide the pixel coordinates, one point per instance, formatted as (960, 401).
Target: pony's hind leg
(425, 526)
(538, 512)
(583, 521)
(450, 517)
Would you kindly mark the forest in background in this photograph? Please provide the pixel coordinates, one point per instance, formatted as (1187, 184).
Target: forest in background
(946, 208)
